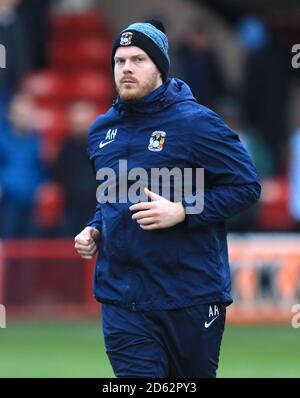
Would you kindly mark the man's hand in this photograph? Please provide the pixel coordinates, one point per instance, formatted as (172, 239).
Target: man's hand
(159, 213)
(86, 243)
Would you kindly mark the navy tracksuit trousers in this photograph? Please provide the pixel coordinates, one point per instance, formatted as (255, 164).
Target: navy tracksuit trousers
(180, 343)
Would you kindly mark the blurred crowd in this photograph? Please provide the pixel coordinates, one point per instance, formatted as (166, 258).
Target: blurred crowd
(56, 83)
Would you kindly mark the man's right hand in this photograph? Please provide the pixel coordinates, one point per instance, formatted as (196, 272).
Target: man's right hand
(86, 243)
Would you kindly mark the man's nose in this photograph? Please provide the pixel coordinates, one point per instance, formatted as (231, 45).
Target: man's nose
(127, 66)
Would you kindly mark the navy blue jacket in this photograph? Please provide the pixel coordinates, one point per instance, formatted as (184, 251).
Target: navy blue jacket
(186, 264)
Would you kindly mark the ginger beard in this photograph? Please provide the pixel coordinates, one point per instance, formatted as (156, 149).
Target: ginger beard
(137, 90)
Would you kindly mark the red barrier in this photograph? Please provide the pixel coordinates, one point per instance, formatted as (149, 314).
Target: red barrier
(48, 278)
(68, 288)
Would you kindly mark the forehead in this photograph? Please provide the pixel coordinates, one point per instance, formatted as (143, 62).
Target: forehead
(130, 51)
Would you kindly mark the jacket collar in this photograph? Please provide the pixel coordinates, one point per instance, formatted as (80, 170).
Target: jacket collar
(172, 91)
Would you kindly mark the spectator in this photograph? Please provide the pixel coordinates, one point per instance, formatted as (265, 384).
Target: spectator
(199, 66)
(21, 169)
(77, 182)
(294, 177)
(35, 16)
(15, 39)
(266, 84)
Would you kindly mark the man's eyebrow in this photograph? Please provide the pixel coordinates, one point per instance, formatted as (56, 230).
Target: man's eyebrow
(139, 55)
(132, 56)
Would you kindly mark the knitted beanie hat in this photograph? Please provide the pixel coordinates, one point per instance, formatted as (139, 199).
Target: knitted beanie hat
(149, 36)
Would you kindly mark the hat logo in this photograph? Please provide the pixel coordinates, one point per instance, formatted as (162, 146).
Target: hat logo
(156, 142)
(126, 38)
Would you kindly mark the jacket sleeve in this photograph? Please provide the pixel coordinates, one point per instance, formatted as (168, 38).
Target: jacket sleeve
(96, 221)
(231, 179)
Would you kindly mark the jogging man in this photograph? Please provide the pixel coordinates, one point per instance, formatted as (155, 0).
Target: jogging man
(162, 273)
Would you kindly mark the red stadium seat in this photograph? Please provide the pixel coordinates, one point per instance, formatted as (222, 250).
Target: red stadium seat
(51, 89)
(76, 54)
(91, 86)
(65, 25)
(47, 87)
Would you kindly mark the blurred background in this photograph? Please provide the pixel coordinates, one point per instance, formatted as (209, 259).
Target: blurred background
(237, 58)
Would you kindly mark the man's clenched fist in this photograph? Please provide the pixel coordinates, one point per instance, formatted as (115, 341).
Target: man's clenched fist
(86, 243)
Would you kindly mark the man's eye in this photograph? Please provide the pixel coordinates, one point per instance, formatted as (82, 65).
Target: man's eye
(140, 59)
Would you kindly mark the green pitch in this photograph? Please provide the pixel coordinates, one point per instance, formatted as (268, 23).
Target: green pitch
(75, 349)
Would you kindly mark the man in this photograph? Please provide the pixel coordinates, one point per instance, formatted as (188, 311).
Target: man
(162, 272)
(79, 188)
(14, 38)
(22, 171)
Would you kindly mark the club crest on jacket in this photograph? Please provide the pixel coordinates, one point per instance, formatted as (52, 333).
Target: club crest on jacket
(157, 140)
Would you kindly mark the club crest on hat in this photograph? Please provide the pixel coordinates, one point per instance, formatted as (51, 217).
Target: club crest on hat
(126, 38)
(157, 140)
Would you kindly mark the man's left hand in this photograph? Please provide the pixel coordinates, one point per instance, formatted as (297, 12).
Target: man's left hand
(159, 213)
